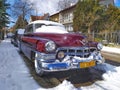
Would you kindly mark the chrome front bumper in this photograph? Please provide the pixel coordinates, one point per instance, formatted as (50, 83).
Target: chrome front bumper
(49, 63)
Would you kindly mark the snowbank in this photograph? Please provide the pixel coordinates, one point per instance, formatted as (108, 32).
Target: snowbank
(14, 75)
(65, 85)
(111, 79)
(111, 49)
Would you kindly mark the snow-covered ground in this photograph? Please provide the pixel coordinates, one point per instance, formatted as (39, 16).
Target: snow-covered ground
(111, 49)
(14, 75)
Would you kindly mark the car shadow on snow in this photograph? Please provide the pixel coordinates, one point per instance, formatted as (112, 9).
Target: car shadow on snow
(79, 77)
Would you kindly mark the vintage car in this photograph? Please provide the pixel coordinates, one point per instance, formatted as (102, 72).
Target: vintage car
(53, 49)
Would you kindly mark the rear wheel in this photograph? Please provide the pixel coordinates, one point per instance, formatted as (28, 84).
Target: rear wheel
(38, 67)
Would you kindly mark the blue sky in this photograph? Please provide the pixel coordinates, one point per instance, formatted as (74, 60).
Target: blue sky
(51, 5)
(117, 3)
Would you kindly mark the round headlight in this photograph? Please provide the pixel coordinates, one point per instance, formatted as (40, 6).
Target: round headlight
(99, 46)
(60, 55)
(50, 46)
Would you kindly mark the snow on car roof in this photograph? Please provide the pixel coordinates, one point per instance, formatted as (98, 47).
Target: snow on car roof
(49, 27)
(45, 22)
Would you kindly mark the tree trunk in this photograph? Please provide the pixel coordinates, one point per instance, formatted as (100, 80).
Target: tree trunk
(90, 37)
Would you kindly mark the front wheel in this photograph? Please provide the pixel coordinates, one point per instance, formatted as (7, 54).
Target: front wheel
(38, 68)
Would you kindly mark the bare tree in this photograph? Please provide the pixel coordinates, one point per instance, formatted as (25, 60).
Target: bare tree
(22, 8)
(62, 4)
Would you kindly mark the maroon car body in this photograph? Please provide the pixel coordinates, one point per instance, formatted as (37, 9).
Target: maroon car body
(54, 49)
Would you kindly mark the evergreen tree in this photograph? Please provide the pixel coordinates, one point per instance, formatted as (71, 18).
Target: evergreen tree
(111, 18)
(20, 23)
(110, 21)
(86, 14)
(3, 14)
(4, 20)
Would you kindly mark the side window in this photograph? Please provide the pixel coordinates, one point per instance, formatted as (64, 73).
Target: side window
(29, 29)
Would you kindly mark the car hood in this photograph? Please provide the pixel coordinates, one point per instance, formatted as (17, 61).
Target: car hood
(68, 39)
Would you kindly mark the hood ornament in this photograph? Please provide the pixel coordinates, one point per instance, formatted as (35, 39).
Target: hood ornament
(82, 41)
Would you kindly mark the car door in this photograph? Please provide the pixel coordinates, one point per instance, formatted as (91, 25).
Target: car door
(26, 45)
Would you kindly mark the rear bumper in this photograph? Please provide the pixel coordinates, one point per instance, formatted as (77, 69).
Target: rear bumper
(71, 62)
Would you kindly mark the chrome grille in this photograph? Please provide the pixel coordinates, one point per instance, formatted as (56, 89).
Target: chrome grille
(82, 52)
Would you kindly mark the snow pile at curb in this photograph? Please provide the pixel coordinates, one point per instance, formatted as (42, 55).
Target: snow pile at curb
(111, 80)
(111, 49)
(65, 85)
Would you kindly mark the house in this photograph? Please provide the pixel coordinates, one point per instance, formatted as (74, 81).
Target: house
(44, 17)
(66, 16)
(55, 17)
(106, 2)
